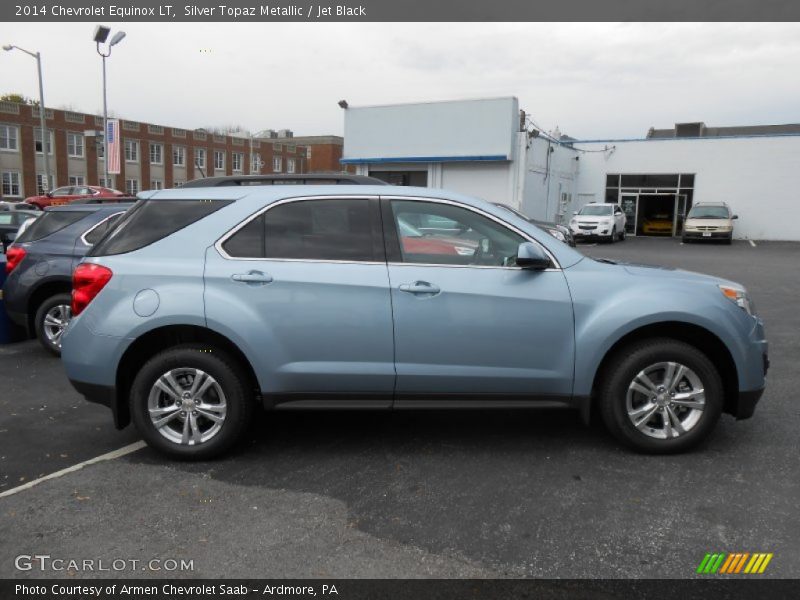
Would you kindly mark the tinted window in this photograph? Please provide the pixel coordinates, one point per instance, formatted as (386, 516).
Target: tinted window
(152, 220)
(331, 229)
(435, 233)
(49, 223)
(64, 191)
(93, 236)
(596, 210)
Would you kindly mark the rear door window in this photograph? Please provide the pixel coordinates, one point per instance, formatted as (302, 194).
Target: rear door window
(49, 223)
(343, 229)
(152, 220)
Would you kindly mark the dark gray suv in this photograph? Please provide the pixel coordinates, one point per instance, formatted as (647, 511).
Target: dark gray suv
(40, 264)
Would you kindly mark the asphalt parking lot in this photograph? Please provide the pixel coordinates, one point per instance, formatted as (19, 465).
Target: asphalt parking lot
(500, 494)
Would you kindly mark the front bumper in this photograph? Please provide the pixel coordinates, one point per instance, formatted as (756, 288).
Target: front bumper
(714, 235)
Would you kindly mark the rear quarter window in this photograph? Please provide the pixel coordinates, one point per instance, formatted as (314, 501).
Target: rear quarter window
(152, 220)
(49, 223)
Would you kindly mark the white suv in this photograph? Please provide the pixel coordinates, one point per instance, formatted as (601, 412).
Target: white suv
(606, 221)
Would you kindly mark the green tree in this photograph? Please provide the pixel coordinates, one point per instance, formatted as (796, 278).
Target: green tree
(19, 99)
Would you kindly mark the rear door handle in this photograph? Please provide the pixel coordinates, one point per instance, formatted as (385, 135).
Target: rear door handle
(252, 277)
(419, 287)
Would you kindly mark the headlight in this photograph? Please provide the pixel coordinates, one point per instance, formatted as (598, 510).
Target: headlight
(557, 234)
(464, 251)
(740, 297)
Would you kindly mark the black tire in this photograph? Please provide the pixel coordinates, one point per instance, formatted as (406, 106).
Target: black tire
(684, 239)
(42, 332)
(613, 237)
(624, 367)
(230, 376)
(622, 236)
(729, 241)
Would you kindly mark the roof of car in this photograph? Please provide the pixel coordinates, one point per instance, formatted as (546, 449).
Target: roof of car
(88, 207)
(283, 178)
(710, 204)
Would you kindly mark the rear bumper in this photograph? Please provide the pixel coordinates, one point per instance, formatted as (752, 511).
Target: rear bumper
(105, 395)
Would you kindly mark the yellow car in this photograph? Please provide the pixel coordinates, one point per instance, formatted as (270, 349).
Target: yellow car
(658, 225)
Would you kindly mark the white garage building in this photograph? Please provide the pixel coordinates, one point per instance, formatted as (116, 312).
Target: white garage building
(485, 148)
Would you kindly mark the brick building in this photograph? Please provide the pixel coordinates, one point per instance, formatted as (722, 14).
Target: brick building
(323, 152)
(153, 156)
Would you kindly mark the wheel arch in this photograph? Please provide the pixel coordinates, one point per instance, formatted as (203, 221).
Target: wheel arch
(694, 335)
(161, 338)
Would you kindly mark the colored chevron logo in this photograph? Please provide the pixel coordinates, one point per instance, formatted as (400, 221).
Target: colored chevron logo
(722, 563)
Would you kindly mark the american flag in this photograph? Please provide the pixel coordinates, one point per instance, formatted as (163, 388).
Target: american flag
(112, 132)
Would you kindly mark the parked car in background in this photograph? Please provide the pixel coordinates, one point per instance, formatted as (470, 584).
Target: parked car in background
(4, 206)
(71, 193)
(561, 233)
(605, 221)
(203, 303)
(39, 266)
(11, 221)
(659, 224)
(709, 221)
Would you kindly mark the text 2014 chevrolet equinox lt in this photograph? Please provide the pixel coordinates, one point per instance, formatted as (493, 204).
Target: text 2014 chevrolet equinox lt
(204, 303)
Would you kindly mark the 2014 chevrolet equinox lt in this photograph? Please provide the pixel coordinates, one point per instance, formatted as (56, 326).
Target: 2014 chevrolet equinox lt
(203, 303)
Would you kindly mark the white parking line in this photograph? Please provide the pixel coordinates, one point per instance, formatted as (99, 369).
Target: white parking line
(752, 243)
(103, 457)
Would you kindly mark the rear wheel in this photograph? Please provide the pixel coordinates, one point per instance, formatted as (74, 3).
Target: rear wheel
(622, 236)
(661, 396)
(613, 235)
(191, 402)
(50, 321)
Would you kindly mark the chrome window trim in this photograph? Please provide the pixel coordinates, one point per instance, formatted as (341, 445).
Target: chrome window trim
(96, 225)
(231, 232)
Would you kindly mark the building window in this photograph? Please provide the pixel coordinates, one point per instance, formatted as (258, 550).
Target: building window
(219, 160)
(101, 149)
(255, 163)
(237, 158)
(179, 156)
(9, 138)
(200, 158)
(40, 184)
(156, 154)
(290, 165)
(37, 140)
(290, 148)
(277, 147)
(277, 164)
(178, 183)
(131, 151)
(107, 183)
(77, 180)
(75, 145)
(131, 187)
(156, 184)
(11, 184)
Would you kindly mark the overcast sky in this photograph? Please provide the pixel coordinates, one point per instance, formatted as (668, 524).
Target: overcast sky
(592, 80)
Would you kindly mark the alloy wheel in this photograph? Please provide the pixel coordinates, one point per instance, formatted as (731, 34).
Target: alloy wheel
(55, 322)
(187, 406)
(665, 400)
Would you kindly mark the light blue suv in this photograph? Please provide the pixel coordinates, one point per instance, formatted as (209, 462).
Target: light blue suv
(204, 303)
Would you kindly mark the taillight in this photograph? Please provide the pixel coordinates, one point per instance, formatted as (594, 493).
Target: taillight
(14, 256)
(87, 281)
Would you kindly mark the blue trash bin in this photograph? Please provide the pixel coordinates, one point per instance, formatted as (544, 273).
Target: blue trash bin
(9, 332)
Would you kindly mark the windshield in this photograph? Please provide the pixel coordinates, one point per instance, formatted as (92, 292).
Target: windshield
(709, 212)
(596, 210)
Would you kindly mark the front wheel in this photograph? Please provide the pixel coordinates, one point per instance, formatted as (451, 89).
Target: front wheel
(52, 318)
(622, 236)
(613, 235)
(191, 402)
(661, 396)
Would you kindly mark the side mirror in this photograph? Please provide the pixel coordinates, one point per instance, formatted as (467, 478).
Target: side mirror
(735, 217)
(531, 256)
(574, 212)
(49, 194)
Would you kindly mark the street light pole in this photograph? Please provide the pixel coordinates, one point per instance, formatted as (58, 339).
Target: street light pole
(42, 120)
(100, 36)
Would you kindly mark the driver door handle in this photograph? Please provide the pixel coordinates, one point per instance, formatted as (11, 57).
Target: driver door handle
(254, 277)
(419, 287)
